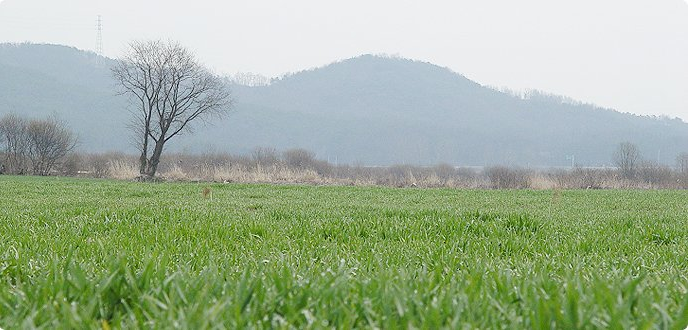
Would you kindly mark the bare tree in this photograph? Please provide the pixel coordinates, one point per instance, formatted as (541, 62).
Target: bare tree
(299, 158)
(13, 132)
(682, 163)
(170, 91)
(265, 156)
(250, 79)
(37, 144)
(626, 158)
(49, 141)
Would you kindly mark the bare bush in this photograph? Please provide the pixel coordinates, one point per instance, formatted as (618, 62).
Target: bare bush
(444, 172)
(265, 156)
(36, 145)
(656, 175)
(682, 168)
(587, 178)
(298, 158)
(72, 165)
(98, 166)
(301, 159)
(399, 176)
(49, 141)
(507, 178)
(13, 136)
(627, 158)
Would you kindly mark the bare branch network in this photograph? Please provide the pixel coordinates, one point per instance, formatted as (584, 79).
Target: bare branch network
(170, 91)
(33, 145)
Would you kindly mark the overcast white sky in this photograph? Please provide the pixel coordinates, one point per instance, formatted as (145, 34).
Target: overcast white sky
(631, 55)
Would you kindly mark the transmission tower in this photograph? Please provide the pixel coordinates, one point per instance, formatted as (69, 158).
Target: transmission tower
(99, 36)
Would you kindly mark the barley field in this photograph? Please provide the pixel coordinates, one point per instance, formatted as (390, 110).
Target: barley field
(80, 254)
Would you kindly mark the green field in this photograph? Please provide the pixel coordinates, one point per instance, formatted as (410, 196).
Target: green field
(92, 254)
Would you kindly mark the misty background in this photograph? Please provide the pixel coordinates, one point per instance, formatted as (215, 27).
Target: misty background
(450, 87)
(626, 55)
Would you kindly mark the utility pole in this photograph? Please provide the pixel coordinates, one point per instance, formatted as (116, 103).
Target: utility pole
(99, 36)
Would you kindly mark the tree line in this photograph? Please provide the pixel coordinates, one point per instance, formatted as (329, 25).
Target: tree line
(631, 163)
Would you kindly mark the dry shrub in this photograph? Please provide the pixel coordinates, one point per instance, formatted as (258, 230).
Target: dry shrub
(265, 156)
(98, 165)
(298, 158)
(444, 172)
(579, 178)
(265, 165)
(508, 178)
(71, 165)
(267, 174)
(657, 176)
(399, 176)
(682, 181)
(175, 173)
(411, 176)
(122, 169)
(542, 181)
(588, 178)
(468, 178)
(301, 159)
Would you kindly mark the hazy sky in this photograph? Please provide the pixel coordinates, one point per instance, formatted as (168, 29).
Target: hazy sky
(631, 55)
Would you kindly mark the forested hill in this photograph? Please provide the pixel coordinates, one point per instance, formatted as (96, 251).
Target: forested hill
(370, 110)
(75, 86)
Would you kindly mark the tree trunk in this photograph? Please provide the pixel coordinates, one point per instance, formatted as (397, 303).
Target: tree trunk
(143, 161)
(154, 160)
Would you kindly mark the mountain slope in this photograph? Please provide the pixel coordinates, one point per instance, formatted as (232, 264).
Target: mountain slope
(369, 109)
(386, 110)
(75, 86)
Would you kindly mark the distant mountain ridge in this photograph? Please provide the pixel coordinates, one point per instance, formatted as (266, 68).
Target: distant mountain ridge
(370, 110)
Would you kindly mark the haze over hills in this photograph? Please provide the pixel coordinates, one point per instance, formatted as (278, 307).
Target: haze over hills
(370, 110)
